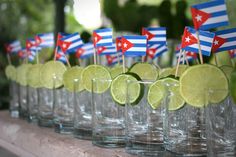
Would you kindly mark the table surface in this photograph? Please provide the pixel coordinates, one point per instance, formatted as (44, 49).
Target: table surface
(29, 140)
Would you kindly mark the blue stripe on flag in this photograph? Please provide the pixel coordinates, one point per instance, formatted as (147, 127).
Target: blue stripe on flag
(208, 4)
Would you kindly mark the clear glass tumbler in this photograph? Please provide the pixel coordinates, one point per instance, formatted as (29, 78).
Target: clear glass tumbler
(185, 128)
(63, 111)
(14, 99)
(33, 104)
(45, 112)
(221, 128)
(144, 125)
(83, 115)
(108, 118)
(23, 102)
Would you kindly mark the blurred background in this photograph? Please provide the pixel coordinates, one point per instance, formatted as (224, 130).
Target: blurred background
(21, 19)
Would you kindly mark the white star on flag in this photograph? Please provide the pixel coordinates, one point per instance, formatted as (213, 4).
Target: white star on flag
(187, 39)
(96, 39)
(64, 45)
(198, 18)
(216, 42)
(125, 45)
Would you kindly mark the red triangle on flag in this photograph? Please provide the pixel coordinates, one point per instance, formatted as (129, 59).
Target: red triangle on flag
(151, 52)
(29, 44)
(64, 45)
(147, 33)
(109, 59)
(96, 38)
(217, 43)
(79, 52)
(58, 56)
(188, 39)
(101, 49)
(38, 40)
(199, 17)
(118, 44)
(125, 44)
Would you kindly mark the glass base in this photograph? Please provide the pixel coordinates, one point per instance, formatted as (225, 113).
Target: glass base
(14, 113)
(45, 122)
(64, 128)
(109, 141)
(81, 133)
(144, 147)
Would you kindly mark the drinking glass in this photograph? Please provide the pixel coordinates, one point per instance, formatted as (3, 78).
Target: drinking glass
(83, 115)
(185, 128)
(63, 111)
(14, 99)
(221, 128)
(144, 125)
(45, 111)
(33, 104)
(108, 118)
(23, 102)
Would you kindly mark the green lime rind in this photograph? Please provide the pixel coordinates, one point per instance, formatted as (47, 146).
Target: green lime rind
(145, 71)
(118, 89)
(158, 91)
(117, 70)
(181, 70)
(95, 72)
(33, 76)
(10, 72)
(227, 70)
(72, 79)
(51, 74)
(233, 86)
(199, 85)
(165, 72)
(22, 74)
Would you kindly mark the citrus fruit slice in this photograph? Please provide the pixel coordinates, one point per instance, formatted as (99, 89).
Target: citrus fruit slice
(51, 74)
(117, 70)
(33, 75)
(158, 91)
(145, 71)
(181, 70)
(95, 72)
(165, 72)
(119, 89)
(196, 82)
(72, 79)
(233, 86)
(22, 74)
(10, 72)
(227, 70)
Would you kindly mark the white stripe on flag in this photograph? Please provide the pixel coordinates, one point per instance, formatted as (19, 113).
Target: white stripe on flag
(137, 49)
(104, 41)
(76, 44)
(229, 35)
(216, 19)
(204, 48)
(136, 41)
(158, 32)
(232, 43)
(158, 39)
(76, 37)
(104, 33)
(214, 9)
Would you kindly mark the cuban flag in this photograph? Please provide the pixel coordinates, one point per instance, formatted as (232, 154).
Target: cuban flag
(106, 50)
(156, 50)
(44, 40)
(13, 46)
(118, 44)
(114, 59)
(232, 53)
(102, 37)
(224, 40)
(22, 53)
(86, 51)
(59, 36)
(134, 45)
(30, 43)
(190, 56)
(210, 15)
(60, 56)
(155, 35)
(70, 43)
(190, 41)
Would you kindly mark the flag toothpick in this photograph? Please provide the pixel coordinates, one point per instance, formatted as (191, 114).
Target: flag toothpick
(199, 47)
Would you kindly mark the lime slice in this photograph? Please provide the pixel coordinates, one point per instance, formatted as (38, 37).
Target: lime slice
(181, 70)
(196, 82)
(33, 75)
(10, 72)
(119, 89)
(165, 72)
(145, 71)
(95, 72)
(157, 93)
(72, 79)
(22, 74)
(117, 70)
(233, 86)
(51, 74)
(227, 70)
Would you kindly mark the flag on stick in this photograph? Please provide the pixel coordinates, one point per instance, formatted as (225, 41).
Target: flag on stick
(44, 40)
(155, 35)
